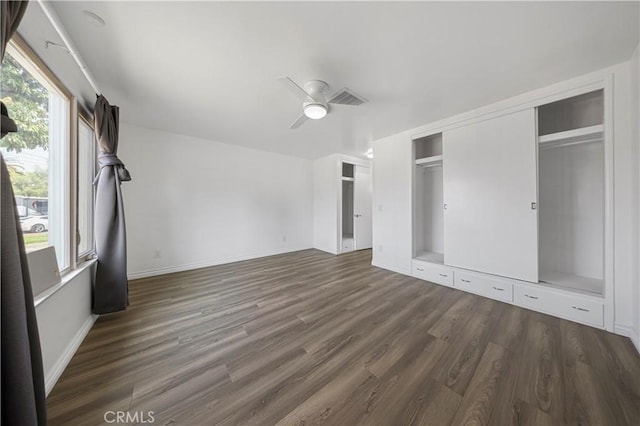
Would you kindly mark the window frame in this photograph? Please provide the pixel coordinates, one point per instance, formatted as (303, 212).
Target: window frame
(85, 116)
(76, 113)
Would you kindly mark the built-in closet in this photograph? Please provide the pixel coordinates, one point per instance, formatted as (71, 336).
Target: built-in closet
(513, 206)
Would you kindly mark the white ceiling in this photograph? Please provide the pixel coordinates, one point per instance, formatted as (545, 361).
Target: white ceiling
(209, 69)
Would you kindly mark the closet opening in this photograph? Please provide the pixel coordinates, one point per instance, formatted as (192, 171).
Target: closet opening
(428, 233)
(571, 188)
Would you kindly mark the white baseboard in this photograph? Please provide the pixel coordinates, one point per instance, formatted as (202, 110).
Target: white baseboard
(631, 333)
(52, 378)
(326, 251)
(208, 263)
(635, 339)
(391, 267)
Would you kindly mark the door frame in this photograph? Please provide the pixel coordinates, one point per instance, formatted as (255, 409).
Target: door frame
(356, 162)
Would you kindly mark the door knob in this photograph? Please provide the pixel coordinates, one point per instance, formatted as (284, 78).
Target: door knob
(357, 215)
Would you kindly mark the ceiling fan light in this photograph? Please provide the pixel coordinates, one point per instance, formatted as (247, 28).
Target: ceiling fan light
(315, 111)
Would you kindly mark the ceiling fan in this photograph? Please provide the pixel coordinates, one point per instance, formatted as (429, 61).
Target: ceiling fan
(314, 101)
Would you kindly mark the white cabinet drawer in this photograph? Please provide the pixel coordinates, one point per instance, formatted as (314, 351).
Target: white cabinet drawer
(485, 285)
(431, 272)
(575, 308)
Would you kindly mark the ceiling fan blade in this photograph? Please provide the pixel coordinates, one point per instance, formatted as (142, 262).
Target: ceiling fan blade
(295, 89)
(299, 122)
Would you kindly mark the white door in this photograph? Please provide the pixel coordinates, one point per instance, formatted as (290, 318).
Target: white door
(362, 221)
(490, 222)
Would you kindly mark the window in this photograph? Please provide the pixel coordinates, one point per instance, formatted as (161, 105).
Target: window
(54, 194)
(86, 194)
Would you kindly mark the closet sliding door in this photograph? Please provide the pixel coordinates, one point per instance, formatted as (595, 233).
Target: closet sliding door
(490, 223)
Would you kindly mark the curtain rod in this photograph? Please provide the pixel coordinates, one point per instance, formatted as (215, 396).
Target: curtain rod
(66, 39)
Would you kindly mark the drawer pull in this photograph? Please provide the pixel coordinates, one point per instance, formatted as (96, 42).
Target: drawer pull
(420, 269)
(531, 297)
(498, 288)
(465, 281)
(580, 309)
(444, 275)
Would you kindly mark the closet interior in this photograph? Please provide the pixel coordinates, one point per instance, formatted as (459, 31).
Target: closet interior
(571, 193)
(428, 214)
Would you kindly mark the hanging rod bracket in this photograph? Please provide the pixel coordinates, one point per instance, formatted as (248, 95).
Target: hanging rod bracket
(48, 43)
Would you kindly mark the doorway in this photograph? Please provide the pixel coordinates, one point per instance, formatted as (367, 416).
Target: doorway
(356, 221)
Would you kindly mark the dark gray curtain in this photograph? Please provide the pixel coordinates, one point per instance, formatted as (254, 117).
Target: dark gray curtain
(111, 290)
(22, 391)
(23, 395)
(11, 13)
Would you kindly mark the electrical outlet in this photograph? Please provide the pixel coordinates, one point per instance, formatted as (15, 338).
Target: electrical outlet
(284, 238)
(380, 248)
(157, 254)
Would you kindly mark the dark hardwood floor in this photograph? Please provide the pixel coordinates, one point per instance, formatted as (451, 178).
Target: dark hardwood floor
(307, 337)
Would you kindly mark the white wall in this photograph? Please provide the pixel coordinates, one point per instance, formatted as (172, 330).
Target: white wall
(64, 319)
(623, 201)
(635, 158)
(194, 203)
(325, 204)
(430, 231)
(392, 185)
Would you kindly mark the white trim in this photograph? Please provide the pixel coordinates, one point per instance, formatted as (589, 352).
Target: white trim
(62, 362)
(354, 161)
(609, 207)
(391, 267)
(344, 158)
(630, 332)
(338, 192)
(208, 263)
(326, 251)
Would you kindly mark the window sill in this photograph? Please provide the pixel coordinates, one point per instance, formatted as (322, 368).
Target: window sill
(65, 279)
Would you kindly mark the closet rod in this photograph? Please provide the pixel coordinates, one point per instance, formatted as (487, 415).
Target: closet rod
(66, 39)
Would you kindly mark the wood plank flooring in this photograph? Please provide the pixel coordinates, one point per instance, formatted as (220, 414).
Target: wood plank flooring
(308, 338)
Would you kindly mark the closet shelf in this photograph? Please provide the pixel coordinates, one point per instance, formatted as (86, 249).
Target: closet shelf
(348, 179)
(572, 137)
(433, 161)
(431, 257)
(572, 282)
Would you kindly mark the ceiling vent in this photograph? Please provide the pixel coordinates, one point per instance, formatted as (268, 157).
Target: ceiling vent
(346, 97)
